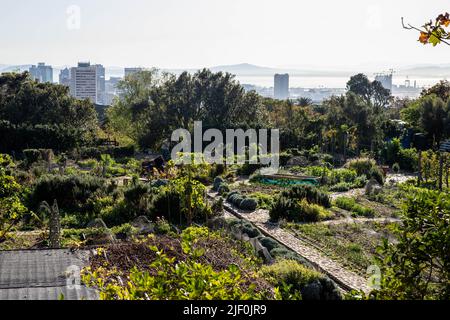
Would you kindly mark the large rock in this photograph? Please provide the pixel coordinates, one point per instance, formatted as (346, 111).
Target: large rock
(143, 225)
(373, 187)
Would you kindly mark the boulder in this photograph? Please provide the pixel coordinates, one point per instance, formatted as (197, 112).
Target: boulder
(373, 187)
(143, 225)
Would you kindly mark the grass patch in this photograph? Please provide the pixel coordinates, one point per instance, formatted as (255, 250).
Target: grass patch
(356, 209)
(353, 245)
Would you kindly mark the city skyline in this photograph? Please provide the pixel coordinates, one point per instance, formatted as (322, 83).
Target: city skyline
(175, 34)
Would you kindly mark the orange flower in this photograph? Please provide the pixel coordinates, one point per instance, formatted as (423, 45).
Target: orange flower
(424, 37)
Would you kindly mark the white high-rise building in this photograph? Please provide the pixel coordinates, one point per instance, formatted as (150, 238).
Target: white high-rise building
(42, 73)
(83, 81)
(88, 82)
(281, 88)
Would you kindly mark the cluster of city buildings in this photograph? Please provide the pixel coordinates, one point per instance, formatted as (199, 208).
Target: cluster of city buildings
(85, 81)
(88, 81)
(282, 91)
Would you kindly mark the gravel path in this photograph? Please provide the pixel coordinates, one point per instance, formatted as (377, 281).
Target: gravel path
(260, 218)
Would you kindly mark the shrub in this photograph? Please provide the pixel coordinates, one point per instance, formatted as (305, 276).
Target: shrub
(362, 166)
(408, 159)
(310, 193)
(295, 281)
(248, 169)
(71, 192)
(279, 252)
(360, 182)
(377, 174)
(70, 222)
(297, 210)
(248, 204)
(223, 189)
(284, 158)
(218, 181)
(250, 230)
(265, 201)
(241, 202)
(31, 156)
(343, 175)
(124, 231)
(310, 212)
(162, 226)
(396, 167)
(217, 206)
(269, 243)
(341, 187)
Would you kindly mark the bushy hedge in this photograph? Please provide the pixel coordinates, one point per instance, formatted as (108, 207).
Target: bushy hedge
(71, 192)
(393, 152)
(310, 193)
(367, 167)
(56, 137)
(242, 202)
(301, 204)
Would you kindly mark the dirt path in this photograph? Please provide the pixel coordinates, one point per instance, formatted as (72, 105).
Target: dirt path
(343, 277)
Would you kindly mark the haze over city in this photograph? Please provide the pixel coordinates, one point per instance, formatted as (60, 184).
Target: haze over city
(174, 34)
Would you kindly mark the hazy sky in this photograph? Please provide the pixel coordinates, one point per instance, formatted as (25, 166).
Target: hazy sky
(199, 33)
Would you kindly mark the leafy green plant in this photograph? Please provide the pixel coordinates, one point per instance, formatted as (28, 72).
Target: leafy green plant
(11, 208)
(416, 265)
(290, 205)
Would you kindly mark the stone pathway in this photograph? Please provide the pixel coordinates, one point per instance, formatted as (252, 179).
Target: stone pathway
(348, 280)
(349, 220)
(354, 193)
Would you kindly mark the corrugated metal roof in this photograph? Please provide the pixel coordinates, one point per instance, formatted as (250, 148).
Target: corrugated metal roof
(42, 275)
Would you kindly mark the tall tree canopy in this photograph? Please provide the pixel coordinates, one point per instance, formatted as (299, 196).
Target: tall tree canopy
(29, 109)
(372, 92)
(152, 105)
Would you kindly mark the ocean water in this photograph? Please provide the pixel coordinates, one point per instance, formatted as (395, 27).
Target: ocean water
(327, 81)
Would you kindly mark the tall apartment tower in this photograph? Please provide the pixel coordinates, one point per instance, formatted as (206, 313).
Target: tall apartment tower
(101, 84)
(42, 73)
(64, 77)
(385, 80)
(281, 86)
(83, 81)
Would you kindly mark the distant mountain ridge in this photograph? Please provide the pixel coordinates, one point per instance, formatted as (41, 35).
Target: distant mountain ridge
(247, 69)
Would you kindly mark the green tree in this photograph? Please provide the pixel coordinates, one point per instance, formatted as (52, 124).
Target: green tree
(373, 93)
(37, 115)
(417, 266)
(11, 207)
(430, 115)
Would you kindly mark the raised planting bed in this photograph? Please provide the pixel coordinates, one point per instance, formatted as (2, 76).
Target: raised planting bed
(287, 180)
